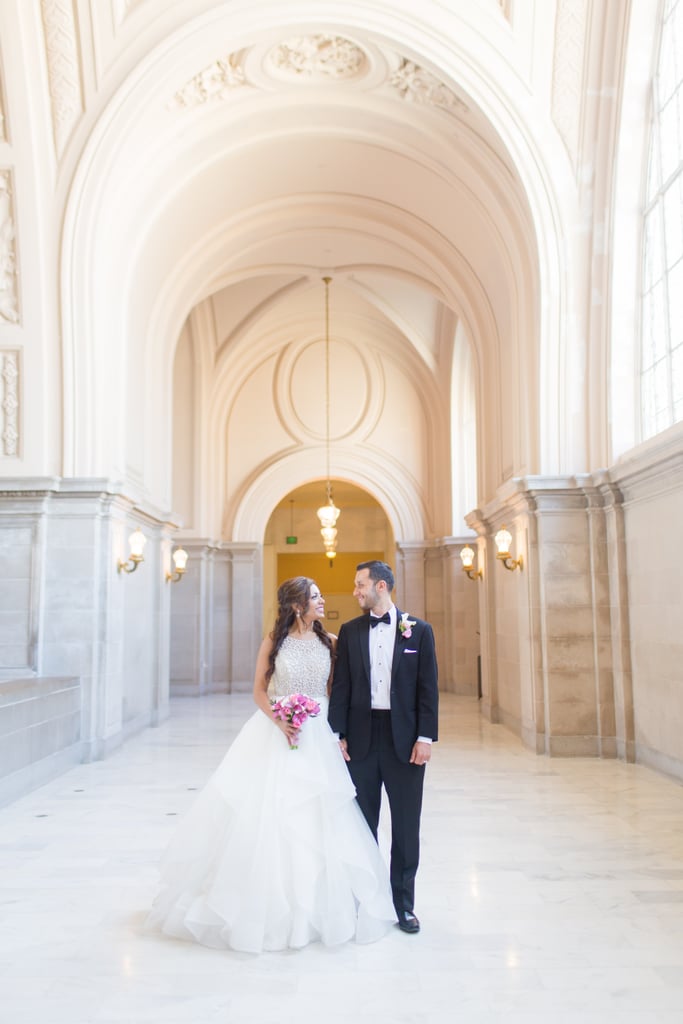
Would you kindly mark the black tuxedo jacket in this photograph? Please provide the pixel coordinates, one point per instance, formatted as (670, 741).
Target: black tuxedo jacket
(414, 687)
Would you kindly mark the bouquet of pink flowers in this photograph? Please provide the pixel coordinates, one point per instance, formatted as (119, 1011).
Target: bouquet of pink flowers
(295, 708)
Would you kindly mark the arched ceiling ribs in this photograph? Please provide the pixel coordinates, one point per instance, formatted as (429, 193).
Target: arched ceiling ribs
(294, 177)
(257, 313)
(249, 510)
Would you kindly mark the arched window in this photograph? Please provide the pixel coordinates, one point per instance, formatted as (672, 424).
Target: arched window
(463, 431)
(662, 299)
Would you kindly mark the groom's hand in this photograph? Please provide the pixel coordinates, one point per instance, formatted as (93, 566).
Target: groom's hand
(343, 747)
(421, 753)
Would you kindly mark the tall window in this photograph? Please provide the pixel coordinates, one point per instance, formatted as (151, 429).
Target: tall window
(463, 431)
(662, 309)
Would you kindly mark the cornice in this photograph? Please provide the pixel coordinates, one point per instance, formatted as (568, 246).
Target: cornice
(49, 489)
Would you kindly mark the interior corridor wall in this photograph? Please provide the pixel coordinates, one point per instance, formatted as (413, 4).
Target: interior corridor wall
(650, 479)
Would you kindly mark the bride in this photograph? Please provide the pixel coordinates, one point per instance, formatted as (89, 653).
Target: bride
(275, 852)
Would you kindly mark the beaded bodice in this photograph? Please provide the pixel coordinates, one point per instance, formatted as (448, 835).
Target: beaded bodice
(301, 666)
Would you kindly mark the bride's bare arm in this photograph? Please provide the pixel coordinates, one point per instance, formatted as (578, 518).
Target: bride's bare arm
(260, 691)
(334, 651)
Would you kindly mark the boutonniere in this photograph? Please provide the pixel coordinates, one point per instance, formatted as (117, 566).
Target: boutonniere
(406, 625)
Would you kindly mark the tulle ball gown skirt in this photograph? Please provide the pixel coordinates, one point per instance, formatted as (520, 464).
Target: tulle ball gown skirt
(275, 852)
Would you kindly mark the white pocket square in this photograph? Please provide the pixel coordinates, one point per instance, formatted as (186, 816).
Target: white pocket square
(409, 650)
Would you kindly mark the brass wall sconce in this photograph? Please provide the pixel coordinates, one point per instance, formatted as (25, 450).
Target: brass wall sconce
(503, 540)
(467, 556)
(180, 557)
(137, 541)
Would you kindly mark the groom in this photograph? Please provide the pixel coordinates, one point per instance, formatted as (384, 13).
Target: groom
(384, 707)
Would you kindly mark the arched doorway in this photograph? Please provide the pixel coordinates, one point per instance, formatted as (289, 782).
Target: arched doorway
(293, 546)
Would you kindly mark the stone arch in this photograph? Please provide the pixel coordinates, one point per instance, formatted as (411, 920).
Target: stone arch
(90, 373)
(381, 480)
(229, 373)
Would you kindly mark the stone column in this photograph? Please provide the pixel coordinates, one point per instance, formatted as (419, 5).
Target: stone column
(486, 620)
(246, 619)
(217, 618)
(409, 571)
(550, 631)
(192, 624)
(458, 635)
(577, 620)
(621, 681)
(508, 620)
(75, 616)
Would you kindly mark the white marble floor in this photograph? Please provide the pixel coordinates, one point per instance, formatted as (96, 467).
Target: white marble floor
(549, 890)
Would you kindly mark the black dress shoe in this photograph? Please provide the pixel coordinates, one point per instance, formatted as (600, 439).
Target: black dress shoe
(407, 922)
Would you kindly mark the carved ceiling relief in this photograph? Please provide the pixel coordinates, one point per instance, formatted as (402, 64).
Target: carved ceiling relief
(419, 86)
(570, 35)
(318, 56)
(9, 306)
(313, 59)
(212, 83)
(61, 49)
(3, 129)
(9, 403)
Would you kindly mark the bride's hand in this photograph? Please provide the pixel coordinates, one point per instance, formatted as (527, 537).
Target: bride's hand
(288, 729)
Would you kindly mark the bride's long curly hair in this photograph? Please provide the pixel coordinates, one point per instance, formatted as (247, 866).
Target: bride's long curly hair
(293, 595)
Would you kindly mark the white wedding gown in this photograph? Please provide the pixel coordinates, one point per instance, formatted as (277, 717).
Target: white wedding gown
(275, 852)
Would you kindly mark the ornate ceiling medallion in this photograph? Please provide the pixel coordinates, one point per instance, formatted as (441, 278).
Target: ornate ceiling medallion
(317, 56)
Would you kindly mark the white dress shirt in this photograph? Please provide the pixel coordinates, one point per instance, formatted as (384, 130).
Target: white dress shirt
(382, 640)
(382, 637)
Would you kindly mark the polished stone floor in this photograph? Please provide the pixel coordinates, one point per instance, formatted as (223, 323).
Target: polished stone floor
(549, 891)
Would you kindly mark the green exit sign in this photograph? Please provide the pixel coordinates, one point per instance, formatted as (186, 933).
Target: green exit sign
(292, 540)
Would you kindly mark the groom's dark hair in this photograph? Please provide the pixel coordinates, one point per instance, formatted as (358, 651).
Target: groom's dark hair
(379, 571)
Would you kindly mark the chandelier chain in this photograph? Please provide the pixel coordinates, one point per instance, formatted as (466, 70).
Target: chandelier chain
(327, 378)
(328, 513)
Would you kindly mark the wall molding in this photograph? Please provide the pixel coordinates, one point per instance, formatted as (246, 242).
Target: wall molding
(61, 48)
(9, 296)
(10, 402)
(568, 62)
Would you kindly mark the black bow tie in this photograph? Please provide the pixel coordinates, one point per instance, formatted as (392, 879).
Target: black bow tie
(374, 619)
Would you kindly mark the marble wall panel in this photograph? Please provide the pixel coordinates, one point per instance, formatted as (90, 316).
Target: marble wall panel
(221, 615)
(572, 705)
(17, 551)
(576, 621)
(606, 704)
(603, 618)
(560, 607)
(568, 591)
(601, 561)
(570, 654)
(562, 559)
(245, 632)
(187, 626)
(452, 604)
(558, 527)
(85, 619)
(137, 654)
(40, 730)
(651, 481)
(216, 616)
